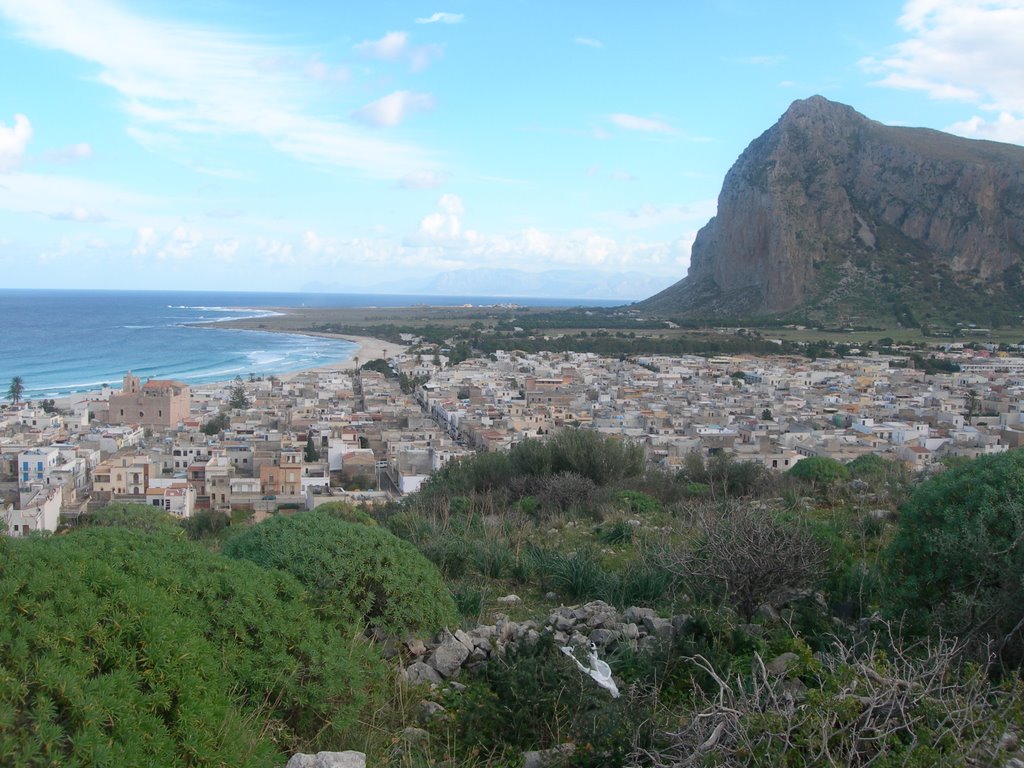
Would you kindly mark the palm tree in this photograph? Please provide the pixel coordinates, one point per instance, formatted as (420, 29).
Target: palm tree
(16, 390)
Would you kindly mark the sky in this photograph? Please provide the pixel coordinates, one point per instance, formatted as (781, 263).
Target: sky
(351, 147)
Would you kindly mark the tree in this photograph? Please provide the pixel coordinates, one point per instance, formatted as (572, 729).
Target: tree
(16, 390)
(239, 399)
(957, 559)
(380, 366)
(311, 454)
(766, 415)
(973, 405)
(216, 425)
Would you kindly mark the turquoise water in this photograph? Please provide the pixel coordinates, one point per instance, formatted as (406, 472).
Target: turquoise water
(69, 341)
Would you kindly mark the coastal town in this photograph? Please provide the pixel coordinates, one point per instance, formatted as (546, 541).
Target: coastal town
(377, 431)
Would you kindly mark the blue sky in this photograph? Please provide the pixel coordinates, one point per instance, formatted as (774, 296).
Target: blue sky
(230, 144)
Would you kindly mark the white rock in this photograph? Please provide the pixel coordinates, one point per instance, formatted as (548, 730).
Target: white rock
(347, 759)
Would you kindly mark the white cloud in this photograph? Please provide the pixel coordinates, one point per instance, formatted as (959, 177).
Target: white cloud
(422, 56)
(145, 240)
(445, 224)
(623, 176)
(14, 142)
(226, 250)
(395, 46)
(644, 124)
(70, 154)
(313, 242)
(390, 110)
(276, 252)
(178, 80)
(317, 70)
(442, 17)
(181, 244)
(962, 50)
(443, 242)
(1005, 128)
(589, 42)
(392, 46)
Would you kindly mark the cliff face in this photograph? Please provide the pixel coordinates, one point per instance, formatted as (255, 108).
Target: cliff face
(829, 214)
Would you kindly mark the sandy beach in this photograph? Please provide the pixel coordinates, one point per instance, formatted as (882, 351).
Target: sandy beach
(368, 348)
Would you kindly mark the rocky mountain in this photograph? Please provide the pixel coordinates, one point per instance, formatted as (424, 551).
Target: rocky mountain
(829, 216)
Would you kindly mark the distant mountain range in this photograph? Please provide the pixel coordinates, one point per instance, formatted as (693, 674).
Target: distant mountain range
(831, 217)
(554, 284)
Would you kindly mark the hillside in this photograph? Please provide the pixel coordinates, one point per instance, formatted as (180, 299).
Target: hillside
(829, 216)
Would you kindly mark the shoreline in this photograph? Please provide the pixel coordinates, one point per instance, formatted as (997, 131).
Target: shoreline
(367, 348)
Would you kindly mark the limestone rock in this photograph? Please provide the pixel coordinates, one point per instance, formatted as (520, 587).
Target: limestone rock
(416, 647)
(548, 758)
(418, 673)
(348, 759)
(781, 663)
(447, 658)
(428, 710)
(828, 211)
(635, 615)
(658, 627)
(603, 637)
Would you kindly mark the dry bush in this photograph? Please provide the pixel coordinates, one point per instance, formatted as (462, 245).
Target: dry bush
(919, 705)
(745, 552)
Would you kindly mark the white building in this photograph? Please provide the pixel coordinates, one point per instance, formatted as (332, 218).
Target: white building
(39, 511)
(35, 465)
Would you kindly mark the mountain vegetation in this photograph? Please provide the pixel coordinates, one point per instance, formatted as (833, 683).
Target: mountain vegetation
(847, 614)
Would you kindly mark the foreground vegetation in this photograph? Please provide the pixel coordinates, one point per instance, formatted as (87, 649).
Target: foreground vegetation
(836, 615)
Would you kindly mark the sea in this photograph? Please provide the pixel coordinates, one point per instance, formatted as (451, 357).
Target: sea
(65, 341)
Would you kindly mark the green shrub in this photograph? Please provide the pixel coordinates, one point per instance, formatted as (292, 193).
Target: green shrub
(819, 471)
(534, 697)
(493, 557)
(139, 516)
(619, 532)
(597, 457)
(531, 457)
(346, 512)
(119, 647)
(641, 583)
(354, 573)
(580, 576)
(722, 474)
(205, 524)
(870, 465)
(469, 599)
(637, 503)
(450, 554)
(957, 560)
